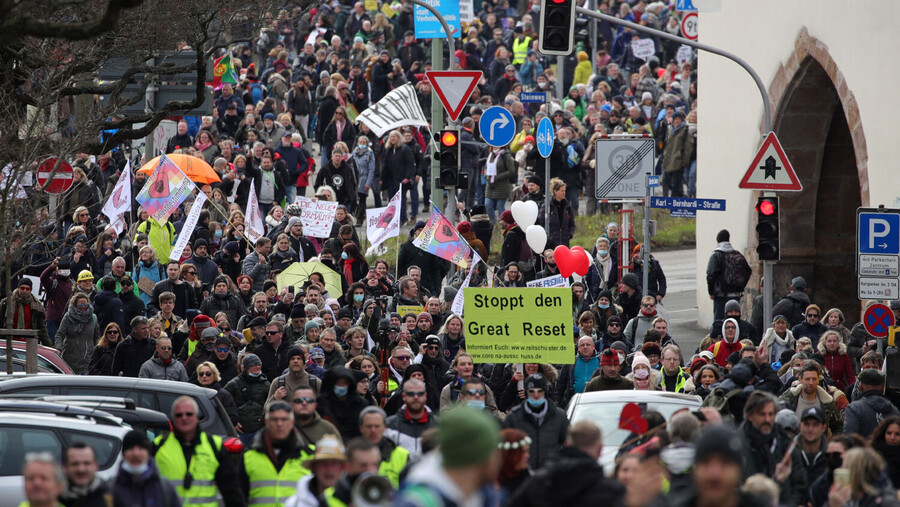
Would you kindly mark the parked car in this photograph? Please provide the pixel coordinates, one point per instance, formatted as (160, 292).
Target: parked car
(48, 357)
(152, 394)
(151, 422)
(604, 408)
(22, 432)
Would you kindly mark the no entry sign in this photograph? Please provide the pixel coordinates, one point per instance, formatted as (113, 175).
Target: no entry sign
(62, 179)
(878, 319)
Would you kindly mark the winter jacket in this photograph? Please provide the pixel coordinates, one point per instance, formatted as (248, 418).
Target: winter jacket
(565, 387)
(570, 478)
(433, 268)
(98, 494)
(450, 396)
(132, 307)
(364, 160)
(160, 236)
(232, 305)
(397, 164)
(57, 302)
(679, 147)
(515, 246)
(407, 433)
(547, 434)
(150, 488)
(863, 415)
(342, 179)
(109, 308)
(722, 349)
(498, 186)
(826, 401)
(763, 452)
(102, 360)
(130, 356)
(656, 279)
(184, 297)
(775, 349)
(259, 272)
(715, 273)
(277, 176)
(839, 366)
(274, 361)
(77, 348)
(330, 136)
(249, 395)
(601, 383)
(792, 307)
(562, 222)
(207, 270)
(342, 412)
(813, 332)
(155, 368)
(154, 272)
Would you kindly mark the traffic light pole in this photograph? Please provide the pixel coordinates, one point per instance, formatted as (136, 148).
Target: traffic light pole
(769, 282)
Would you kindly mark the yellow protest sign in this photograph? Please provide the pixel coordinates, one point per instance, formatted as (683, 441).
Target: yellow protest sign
(404, 309)
(371, 5)
(388, 11)
(531, 325)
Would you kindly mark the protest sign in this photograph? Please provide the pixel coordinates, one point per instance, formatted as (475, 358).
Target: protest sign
(550, 281)
(404, 309)
(509, 325)
(317, 217)
(643, 48)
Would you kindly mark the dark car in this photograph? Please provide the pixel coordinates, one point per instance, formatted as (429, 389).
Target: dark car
(148, 421)
(158, 395)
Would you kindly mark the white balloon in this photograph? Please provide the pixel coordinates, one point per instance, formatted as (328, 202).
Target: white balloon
(525, 213)
(536, 237)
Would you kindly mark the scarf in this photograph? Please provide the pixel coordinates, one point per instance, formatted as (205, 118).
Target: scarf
(78, 319)
(348, 268)
(18, 315)
(203, 146)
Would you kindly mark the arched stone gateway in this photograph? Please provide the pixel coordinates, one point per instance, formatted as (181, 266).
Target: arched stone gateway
(818, 123)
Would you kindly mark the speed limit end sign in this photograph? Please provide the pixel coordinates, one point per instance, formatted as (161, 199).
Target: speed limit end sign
(689, 26)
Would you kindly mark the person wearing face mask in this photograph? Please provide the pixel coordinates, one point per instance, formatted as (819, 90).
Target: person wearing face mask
(340, 403)
(56, 279)
(364, 158)
(603, 309)
(353, 263)
(138, 481)
(602, 273)
(543, 421)
(249, 390)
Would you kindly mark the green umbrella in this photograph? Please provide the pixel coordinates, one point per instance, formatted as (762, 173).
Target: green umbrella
(299, 272)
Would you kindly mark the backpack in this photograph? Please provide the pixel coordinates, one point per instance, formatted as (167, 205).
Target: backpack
(737, 272)
(718, 400)
(256, 92)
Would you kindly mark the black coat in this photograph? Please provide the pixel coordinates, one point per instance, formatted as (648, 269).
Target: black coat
(130, 355)
(109, 308)
(330, 136)
(132, 306)
(232, 305)
(571, 478)
(398, 164)
(342, 179)
(325, 113)
(546, 437)
(273, 361)
(562, 222)
(102, 360)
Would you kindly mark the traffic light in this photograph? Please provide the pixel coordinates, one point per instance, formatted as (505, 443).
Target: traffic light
(449, 157)
(768, 231)
(557, 27)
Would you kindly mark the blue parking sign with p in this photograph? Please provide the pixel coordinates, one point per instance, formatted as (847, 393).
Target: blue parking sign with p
(879, 233)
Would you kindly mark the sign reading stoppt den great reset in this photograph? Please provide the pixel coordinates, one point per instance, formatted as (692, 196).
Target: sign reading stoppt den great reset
(532, 325)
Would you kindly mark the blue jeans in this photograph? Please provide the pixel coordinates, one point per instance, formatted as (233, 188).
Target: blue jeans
(291, 193)
(414, 198)
(52, 328)
(690, 178)
(494, 206)
(264, 209)
(572, 197)
(246, 439)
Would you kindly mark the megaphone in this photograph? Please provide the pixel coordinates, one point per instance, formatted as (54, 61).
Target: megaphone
(371, 490)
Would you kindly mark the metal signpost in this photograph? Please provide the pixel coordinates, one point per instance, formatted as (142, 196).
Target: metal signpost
(544, 140)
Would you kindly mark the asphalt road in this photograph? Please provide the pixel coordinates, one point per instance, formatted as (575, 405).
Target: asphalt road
(680, 268)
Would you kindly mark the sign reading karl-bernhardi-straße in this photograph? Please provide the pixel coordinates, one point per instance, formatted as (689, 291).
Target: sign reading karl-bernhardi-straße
(529, 325)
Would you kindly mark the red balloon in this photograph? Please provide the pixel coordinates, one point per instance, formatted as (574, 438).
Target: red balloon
(565, 260)
(582, 264)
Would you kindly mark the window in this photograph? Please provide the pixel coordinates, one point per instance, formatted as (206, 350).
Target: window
(106, 448)
(16, 442)
(141, 399)
(166, 400)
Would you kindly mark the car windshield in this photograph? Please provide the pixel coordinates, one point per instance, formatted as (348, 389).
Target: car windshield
(606, 416)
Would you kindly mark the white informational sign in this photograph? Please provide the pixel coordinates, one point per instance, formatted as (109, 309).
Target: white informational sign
(459, 300)
(878, 253)
(188, 229)
(684, 54)
(622, 167)
(550, 281)
(253, 222)
(466, 11)
(317, 216)
(383, 223)
(161, 135)
(643, 48)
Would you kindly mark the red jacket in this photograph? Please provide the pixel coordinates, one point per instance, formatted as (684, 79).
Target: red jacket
(841, 369)
(722, 349)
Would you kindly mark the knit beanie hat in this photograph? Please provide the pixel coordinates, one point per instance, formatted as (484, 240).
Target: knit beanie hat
(640, 359)
(720, 441)
(467, 437)
(251, 360)
(609, 357)
(136, 439)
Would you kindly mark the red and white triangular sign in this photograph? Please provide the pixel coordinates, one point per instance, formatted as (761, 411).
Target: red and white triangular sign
(771, 169)
(454, 87)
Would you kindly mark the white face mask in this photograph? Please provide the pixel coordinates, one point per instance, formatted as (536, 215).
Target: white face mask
(65, 272)
(542, 84)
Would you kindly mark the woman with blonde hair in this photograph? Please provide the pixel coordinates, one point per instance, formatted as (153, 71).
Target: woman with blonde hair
(837, 360)
(102, 355)
(207, 375)
(867, 483)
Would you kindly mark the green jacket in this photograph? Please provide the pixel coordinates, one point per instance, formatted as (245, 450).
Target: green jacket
(835, 417)
(161, 238)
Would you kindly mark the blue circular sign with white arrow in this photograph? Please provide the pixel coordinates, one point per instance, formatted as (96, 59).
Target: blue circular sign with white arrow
(544, 137)
(497, 126)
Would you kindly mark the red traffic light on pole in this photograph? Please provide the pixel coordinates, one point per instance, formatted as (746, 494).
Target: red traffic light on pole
(768, 230)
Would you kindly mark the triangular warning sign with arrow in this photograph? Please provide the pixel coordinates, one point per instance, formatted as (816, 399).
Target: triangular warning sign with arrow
(771, 169)
(453, 88)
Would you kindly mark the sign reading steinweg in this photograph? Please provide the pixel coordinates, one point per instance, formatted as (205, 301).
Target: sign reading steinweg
(519, 325)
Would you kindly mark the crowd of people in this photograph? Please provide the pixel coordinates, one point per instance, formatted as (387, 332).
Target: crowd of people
(361, 369)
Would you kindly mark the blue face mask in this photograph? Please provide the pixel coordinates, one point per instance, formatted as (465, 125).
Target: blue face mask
(603, 253)
(344, 256)
(602, 307)
(341, 391)
(254, 375)
(476, 404)
(219, 233)
(358, 297)
(536, 404)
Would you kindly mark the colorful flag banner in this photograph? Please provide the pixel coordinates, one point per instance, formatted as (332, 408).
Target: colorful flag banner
(119, 201)
(223, 72)
(457, 306)
(440, 238)
(383, 223)
(165, 190)
(188, 229)
(253, 226)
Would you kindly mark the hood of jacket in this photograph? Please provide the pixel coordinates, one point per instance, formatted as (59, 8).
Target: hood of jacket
(821, 394)
(724, 246)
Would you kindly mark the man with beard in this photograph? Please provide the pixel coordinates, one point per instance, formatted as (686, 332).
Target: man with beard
(767, 447)
(162, 366)
(184, 292)
(812, 451)
(295, 378)
(414, 417)
(85, 488)
(308, 421)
